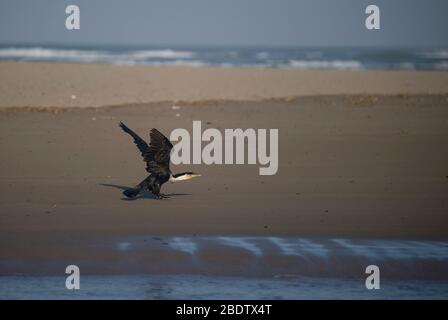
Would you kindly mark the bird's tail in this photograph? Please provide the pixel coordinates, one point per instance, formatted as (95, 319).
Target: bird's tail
(131, 192)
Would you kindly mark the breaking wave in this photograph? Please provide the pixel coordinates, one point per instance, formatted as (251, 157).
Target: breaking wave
(91, 56)
(298, 58)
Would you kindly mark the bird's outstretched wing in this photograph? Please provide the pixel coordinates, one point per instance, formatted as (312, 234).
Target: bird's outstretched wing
(156, 154)
(139, 142)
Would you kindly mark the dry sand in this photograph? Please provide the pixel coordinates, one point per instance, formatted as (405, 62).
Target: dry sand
(89, 85)
(351, 165)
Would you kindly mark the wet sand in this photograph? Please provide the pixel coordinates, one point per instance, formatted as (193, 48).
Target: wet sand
(243, 256)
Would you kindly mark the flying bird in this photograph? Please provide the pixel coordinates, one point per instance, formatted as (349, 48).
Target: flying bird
(157, 158)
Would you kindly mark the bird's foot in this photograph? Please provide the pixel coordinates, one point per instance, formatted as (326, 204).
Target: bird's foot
(161, 196)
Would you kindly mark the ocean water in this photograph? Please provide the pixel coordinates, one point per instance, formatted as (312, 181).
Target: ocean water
(288, 57)
(215, 287)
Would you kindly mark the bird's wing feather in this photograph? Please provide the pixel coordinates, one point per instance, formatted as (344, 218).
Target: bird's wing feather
(158, 157)
(156, 154)
(139, 142)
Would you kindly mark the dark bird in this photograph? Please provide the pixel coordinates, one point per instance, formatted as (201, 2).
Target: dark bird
(157, 158)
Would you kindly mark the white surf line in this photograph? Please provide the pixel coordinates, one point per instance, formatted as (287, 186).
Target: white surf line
(378, 249)
(183, 244)
(300, 247)
(242, 243)
(396, 249)
(357, 249)
(432, 249)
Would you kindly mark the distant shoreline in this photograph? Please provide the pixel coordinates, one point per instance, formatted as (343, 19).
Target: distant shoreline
(283, 57)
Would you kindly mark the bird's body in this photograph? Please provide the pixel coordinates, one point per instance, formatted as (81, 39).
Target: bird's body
(157, 158)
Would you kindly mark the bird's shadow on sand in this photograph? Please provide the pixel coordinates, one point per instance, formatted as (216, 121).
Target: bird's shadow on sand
(143, 195)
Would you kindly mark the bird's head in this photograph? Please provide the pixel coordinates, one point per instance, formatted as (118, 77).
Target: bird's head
(184, 176)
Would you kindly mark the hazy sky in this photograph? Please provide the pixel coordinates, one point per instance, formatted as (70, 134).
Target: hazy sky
(225, 22)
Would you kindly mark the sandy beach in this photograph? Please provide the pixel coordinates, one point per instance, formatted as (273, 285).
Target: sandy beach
(362, 154)
(96, 85)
